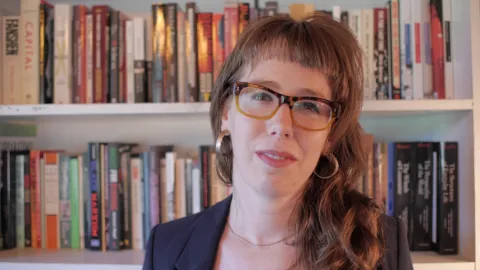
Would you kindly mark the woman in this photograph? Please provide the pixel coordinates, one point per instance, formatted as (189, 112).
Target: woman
(285, 110)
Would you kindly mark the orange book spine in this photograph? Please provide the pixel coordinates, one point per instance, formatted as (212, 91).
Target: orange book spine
(51, 201)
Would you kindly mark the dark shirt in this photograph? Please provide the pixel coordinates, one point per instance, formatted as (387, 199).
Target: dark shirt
(191, 242)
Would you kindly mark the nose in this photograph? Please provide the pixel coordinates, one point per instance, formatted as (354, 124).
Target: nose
(281, 123)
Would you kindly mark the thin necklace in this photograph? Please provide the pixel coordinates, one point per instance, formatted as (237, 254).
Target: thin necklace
(260, 245)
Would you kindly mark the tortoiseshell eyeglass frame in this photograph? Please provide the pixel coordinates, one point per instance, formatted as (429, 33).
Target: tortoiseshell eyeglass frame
(290, 101)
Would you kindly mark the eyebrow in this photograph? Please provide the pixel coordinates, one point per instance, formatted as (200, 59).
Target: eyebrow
(304, 91)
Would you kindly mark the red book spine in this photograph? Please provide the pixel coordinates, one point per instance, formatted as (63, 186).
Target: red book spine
(36, 203)
(231, 28)
(438, 63)
(205, 58)
(123, 59)
(100, 77)
(82, 75)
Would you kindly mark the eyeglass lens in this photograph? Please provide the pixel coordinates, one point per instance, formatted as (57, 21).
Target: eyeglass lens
(259, 103)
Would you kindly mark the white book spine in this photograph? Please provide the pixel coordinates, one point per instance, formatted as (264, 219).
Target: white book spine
(336, 12)
(406, 49)
(89, 36)
(355, 22)
(11, 60)
(447, 34)
(196, 190)
(62, 87)
(136, 202)
(367, 42)
(139, 39)
(170, 158)
(418, 49)
(130, 65)
(181, 51)
(427, 47)
(30, 55)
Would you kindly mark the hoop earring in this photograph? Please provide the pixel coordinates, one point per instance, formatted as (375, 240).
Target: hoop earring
(218, 143)
(333, 160)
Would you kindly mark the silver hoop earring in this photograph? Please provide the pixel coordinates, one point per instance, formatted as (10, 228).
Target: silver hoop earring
(218, 144)
(333, 160)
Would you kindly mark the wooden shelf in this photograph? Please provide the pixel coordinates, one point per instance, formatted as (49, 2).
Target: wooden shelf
(37, 259)
(371, 107)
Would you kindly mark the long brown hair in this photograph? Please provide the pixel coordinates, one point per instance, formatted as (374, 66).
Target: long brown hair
(337, 227)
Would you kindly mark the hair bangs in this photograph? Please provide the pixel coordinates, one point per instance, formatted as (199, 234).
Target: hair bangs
(304, 43)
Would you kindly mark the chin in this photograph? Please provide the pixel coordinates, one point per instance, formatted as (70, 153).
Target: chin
(276, 184)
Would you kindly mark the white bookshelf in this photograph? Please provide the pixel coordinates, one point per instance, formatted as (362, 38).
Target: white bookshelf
(71, 127)
(370, 107)
(133, 259)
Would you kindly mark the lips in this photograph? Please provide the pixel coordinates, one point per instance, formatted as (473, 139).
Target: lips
(276, 159)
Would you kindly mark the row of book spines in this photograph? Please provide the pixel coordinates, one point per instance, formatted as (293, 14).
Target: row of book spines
(114, 201)
(116, 83)
(423, 191)
(30, 228)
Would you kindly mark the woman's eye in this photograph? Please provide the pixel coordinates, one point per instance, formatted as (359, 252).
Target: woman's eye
(261, 96)
(309, 106)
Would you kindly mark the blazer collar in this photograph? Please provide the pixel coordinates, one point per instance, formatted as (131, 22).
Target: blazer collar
(201, 248)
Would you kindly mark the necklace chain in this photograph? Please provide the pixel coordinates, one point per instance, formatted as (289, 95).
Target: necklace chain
(260, 245)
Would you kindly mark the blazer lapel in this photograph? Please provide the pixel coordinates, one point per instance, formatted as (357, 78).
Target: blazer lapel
(201, 248)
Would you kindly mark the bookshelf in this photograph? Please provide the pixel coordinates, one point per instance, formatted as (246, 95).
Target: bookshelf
(130, 260)
(370, 107)
(71, 126)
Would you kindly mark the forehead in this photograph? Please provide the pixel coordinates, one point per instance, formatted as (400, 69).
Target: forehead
(288, 78)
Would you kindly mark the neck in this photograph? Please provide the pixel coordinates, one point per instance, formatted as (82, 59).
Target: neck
(260, 219)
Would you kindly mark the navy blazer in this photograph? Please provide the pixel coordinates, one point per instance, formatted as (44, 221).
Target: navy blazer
(190, 243)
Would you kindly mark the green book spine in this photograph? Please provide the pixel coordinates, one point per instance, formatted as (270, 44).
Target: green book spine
(74, 203)
(65, 208)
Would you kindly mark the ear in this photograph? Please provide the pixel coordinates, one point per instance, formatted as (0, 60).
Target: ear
(327, 146)
(225, 125)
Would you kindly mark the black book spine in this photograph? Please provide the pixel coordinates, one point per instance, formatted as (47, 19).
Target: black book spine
(28, 209)
(9, 201)
(46, 54)
(404, 174)
(148, 78)
(447, 211)
(422, 198)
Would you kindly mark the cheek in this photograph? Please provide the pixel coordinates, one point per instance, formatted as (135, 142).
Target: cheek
(244, 131)
(312, 146)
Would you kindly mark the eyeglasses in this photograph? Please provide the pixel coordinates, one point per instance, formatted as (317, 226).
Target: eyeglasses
(260, 102)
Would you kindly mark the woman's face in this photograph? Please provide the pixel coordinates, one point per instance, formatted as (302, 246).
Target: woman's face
(274, 157)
